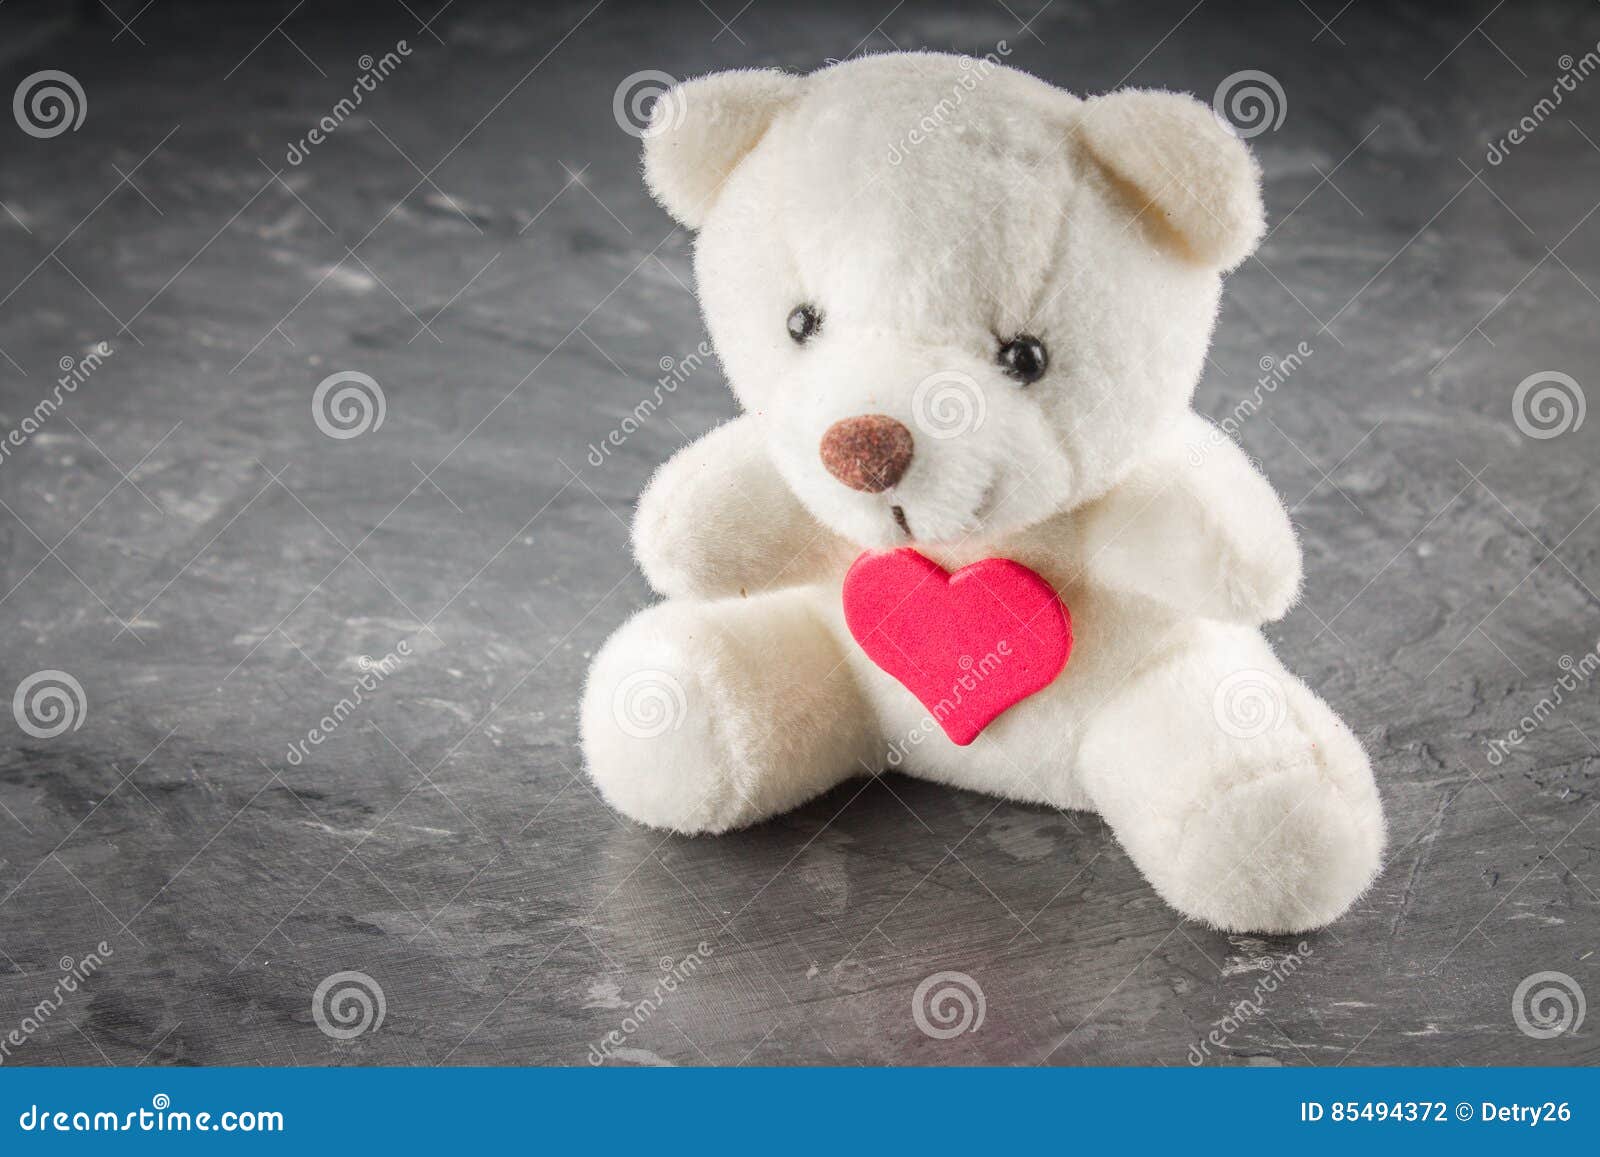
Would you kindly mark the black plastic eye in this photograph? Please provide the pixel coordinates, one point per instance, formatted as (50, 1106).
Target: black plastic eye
(1025, 358)
(804, 323)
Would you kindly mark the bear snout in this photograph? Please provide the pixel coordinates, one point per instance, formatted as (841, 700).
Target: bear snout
(871, 452)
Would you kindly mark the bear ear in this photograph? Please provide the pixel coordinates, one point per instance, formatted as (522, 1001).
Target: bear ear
(701, 129)
(1180, 162)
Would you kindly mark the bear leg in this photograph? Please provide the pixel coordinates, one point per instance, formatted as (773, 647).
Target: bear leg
(1241, 796)
(708, 716)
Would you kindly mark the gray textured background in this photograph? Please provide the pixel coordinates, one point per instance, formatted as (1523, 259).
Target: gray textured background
(182, 540)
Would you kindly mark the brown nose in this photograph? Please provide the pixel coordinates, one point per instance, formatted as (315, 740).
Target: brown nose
(868, 453)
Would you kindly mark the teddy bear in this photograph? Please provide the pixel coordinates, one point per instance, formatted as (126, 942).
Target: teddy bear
(968, 525)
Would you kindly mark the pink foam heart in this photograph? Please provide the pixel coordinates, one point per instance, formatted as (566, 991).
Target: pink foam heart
(968, 645)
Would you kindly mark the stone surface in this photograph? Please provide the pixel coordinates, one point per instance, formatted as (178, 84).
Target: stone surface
(181, 538)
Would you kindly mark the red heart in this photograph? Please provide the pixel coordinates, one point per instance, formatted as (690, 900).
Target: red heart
(968, 645)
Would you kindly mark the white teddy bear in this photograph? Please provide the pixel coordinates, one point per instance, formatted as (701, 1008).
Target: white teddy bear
(964, 312)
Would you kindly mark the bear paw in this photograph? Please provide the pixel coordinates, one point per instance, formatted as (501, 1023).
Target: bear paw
(1285, 850)
(655, 727)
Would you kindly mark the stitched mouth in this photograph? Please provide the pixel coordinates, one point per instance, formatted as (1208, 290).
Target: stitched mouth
(899, 513)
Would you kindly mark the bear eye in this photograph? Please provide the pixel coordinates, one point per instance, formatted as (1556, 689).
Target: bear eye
(804, 323)
(1025, 358)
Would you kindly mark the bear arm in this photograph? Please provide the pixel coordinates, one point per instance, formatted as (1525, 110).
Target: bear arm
(1198, 528)
(718, 520)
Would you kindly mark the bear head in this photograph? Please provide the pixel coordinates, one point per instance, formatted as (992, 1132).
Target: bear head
(959, 299)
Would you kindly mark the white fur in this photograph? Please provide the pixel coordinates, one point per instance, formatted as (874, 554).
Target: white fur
(1022, 209)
